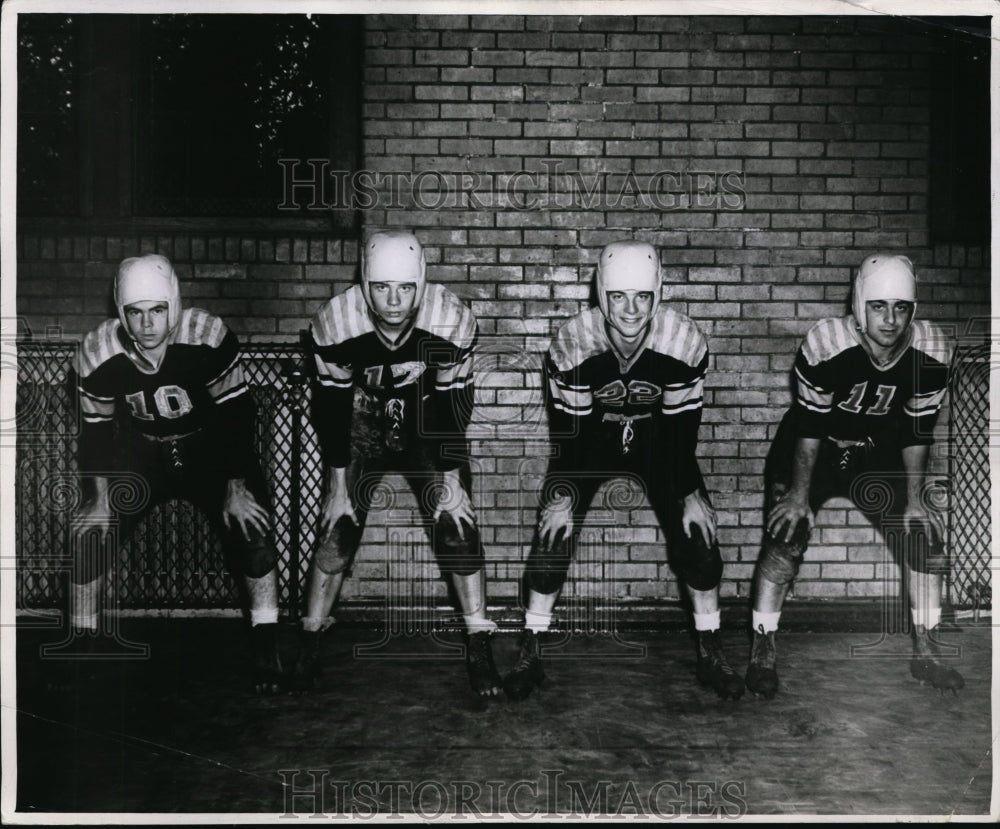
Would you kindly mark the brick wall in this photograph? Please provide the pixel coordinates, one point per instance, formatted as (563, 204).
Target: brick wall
(784, 151)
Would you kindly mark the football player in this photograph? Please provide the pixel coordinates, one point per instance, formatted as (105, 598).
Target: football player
(868, 388)
(625, 382)
(394, 392)
(172, 379)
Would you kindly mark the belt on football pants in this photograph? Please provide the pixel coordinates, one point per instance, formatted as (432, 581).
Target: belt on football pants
(628, 433)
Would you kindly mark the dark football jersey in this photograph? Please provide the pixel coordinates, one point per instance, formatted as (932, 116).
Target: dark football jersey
(595, 395)
(841, 393)
(199, 385)
(428, 372)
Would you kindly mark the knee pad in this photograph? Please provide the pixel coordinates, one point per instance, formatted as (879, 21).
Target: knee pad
(779, 560)
(699, 564)
(921, 549)
(548, 565)
(257, 556)
(91, 553)
(335, 553)
(458, 555)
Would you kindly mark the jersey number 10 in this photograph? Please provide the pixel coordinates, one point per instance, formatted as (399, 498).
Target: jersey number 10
(171, 402)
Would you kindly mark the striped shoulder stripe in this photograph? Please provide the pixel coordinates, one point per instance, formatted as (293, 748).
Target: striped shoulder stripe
(675, 335)
(579, 339)
(443, 314)
(342, 318)
(99, 346)
(198, 327)
(828, 338)
(930, 339)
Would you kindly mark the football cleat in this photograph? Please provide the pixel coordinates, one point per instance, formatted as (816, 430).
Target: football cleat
(308, 666)
(266, 661)
(527, 673)
(762, 674)
(713, 668)
(483, 675)
(926, 666)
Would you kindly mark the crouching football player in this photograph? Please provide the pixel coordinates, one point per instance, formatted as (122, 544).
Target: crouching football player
(868, 390)
(186, 431)
(394, 393)
(625, 383)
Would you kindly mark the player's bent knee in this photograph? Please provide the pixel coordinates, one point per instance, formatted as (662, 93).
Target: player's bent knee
(548, 565)
(459, 553)
(699, 564)
(780, 561)
(336, 552)
(91, 555)
(259, 556)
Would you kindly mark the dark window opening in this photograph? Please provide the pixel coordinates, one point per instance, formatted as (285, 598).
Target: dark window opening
(959, 197)
(146, 121)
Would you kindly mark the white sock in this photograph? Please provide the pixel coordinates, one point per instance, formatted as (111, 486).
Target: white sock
(707, 621)
(929, 617)
(766, 622)
(537, 622)
(314, 624)
(263, 616)
(84, 621)
(83, 605)
(478, 623)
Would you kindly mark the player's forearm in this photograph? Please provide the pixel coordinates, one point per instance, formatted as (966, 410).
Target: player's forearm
(333, 410)
(101, 489)
(336, 480)
(915, 465)
(803, 465)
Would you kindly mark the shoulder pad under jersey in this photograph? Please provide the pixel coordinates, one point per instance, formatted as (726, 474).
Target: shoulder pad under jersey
(99, 346)
(828, 338)
(579, 339)
(676, 335)
(443, 314)
(343, 318)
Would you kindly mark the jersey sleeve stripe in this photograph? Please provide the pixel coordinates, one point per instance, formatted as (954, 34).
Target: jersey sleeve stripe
(687, 406)
(222, 374)
(572, 410)
(232, 393)
(232, 380)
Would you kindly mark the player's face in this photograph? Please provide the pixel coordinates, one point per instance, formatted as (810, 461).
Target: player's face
(147, 322)
(393, 301)
(887, 320)
(629, 311)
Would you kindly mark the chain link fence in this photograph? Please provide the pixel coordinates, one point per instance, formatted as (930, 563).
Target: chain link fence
(173, 559)
(970, 533)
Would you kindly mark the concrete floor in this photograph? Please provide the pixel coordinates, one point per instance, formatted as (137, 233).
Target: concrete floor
(617, 730)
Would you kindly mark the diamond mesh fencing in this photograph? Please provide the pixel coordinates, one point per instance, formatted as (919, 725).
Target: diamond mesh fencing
(173, 559)
(970, 532)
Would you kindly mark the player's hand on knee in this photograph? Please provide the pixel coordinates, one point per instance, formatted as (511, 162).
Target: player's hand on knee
(700, 513)
(336, 505)
(455, 501)
(241, 507)
(555, 517)
(786, 516)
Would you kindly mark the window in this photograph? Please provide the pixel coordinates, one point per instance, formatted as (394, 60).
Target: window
(152, 121)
